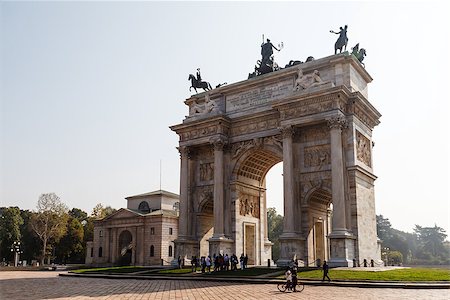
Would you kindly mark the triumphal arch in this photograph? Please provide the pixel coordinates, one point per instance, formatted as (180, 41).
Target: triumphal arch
(315, 117)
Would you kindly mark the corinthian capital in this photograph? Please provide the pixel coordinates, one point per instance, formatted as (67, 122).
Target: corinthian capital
(218, 142)
(338, 122)
(287, 131)
(184, 151)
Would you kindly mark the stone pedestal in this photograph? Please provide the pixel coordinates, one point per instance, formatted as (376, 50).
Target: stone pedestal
(342, 250)
(292, 248)
(186, 248)
(220, 245)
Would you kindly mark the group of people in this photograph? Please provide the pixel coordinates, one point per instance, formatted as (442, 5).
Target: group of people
(218, 263)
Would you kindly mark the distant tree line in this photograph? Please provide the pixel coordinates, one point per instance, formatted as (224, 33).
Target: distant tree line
(51, 233)
(426, 245)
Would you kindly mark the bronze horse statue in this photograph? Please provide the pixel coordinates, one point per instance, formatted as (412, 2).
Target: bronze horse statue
(199, 84)
(359, 53)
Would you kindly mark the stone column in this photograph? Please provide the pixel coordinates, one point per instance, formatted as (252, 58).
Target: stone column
(218, 144)
(184, 193)
(337, 174)
(292, 244)
(219, 243)
(288, 181)
(342, 243)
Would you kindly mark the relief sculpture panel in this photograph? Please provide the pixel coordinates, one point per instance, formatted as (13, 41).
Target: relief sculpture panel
(248, 205)
(207, 171)
(317, 156)
(363, 149)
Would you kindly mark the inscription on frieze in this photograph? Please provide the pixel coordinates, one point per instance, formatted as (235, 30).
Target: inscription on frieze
(258, 96)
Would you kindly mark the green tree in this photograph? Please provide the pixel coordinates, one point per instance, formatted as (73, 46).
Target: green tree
(78, 214)
(100, 212)
(70, 247)
(10, 222)
(275, 229)
(49, 223)
(30, 242)
(431, 241)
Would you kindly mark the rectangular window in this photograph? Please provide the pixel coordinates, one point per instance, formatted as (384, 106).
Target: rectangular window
(101, 233)
(92, 252)
(152, 230)
(170, 231)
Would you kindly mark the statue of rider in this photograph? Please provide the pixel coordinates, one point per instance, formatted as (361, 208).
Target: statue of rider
(266, 52)
(199, 77)
(342, 39)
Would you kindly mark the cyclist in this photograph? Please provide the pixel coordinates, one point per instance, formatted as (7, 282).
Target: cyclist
(288, 275)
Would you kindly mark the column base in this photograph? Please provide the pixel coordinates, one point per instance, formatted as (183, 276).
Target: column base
(186, 247)
(292, 249)
(342, 244)
(220, 244)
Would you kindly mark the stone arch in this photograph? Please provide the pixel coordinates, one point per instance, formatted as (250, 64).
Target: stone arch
(125, 247)
(256, 162)
(317, 224)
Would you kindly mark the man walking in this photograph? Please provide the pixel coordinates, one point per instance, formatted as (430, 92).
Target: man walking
(325, 271)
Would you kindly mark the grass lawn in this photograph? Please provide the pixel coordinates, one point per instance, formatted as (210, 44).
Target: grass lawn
(412, 274)
(175, 271)
(115, 270)
(243, 273)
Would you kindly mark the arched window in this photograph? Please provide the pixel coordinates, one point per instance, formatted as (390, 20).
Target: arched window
(170, 251)
(92, 252)
(152, 251)
(100, 252)
(143, 207)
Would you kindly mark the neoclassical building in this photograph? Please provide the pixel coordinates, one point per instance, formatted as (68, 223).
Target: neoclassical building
(314, 117)
(141, 234)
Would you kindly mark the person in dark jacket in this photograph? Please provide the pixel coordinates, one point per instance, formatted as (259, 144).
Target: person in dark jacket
(325, 271)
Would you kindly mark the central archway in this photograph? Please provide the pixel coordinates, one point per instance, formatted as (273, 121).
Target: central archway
(249, 195)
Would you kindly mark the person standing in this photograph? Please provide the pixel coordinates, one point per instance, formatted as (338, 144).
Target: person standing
(294, 276)
(325, 271)
(208, 263)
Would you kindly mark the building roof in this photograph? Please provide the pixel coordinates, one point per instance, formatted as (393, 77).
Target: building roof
(158, 192)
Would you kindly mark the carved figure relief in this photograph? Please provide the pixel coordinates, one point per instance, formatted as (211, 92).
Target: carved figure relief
(207, 171)
(274, 140)
(204, 108)
(317, 156)
(304, 82)
(363, 149)
(248, 205)
(205, 194)
(249, 128)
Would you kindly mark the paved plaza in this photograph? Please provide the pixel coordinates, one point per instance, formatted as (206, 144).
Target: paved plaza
(48, 285)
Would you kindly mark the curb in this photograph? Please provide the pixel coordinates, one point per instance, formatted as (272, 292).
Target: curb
(341, 283)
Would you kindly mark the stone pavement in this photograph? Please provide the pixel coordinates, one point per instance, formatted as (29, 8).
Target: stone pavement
(48, 285)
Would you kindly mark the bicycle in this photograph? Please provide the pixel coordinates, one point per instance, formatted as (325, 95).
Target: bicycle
(283, 287)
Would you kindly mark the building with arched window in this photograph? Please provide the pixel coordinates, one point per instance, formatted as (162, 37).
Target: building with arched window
(140, 234)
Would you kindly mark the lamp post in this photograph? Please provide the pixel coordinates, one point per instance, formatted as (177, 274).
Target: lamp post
(15, 247)
(386, 252)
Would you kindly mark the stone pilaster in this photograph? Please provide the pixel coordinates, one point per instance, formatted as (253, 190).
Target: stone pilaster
(342, 243)
(218, 144)
(288, 181)
(184, 192)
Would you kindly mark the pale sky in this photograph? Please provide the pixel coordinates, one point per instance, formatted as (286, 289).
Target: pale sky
(89, 90)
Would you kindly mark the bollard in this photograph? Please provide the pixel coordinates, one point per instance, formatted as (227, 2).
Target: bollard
(354, 263)
(162, 262)
(365, 263)
(372, 263)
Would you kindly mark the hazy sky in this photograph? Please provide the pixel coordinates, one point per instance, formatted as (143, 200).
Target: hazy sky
(88, 91)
